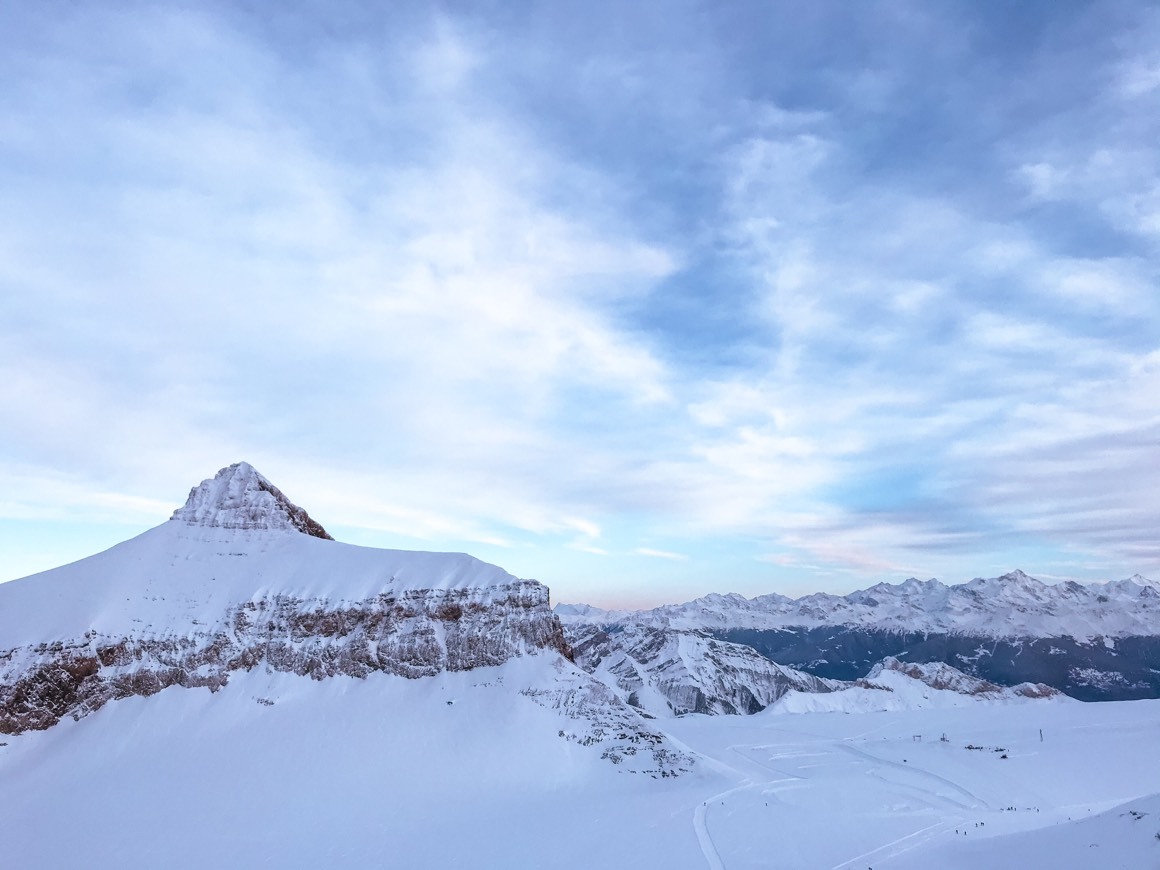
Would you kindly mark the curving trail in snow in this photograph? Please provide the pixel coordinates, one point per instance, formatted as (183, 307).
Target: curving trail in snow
(705, 839)
(934, 793)
(884, 790)
(701, 811)
(975, 802)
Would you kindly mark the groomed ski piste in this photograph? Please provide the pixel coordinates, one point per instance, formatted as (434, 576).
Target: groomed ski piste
(465, 769)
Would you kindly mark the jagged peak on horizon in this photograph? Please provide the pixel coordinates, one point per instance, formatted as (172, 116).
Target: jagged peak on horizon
(240, 497)
(1019, 574)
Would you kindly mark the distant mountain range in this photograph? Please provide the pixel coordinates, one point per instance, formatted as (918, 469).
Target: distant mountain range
(1094, 641)
(1014, 605)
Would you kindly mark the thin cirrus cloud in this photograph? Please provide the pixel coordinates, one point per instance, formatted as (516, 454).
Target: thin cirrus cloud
(797, 300)
(660, 554)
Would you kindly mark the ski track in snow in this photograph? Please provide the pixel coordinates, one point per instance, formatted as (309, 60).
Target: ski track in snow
(700, 812)
(977, 803)
(701, 826)
(787, 776)
(705, 839)
(893, 848)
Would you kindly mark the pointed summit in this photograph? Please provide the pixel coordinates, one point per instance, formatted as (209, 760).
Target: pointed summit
(238, 497)
(1018, 577)
(1141, 580)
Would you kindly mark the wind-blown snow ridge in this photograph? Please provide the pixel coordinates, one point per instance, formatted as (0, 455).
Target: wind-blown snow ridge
(239, 497)
(1014, 605)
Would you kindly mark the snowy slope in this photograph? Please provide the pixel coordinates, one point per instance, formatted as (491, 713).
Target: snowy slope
(1122, 838)
(283, 772)
(668, 672)
(943, 677)
(479, 768)
(1011, 787)
(1014, 605)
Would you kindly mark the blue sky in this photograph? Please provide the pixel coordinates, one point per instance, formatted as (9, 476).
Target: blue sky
(642, 300)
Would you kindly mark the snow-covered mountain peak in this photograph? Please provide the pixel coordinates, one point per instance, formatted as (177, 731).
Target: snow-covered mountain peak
(1020, 578)
(1011, 581)
(239, 497)
(1014, 586)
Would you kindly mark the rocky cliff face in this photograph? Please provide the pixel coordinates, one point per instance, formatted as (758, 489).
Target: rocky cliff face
(238, 497)
(944, 678)
(241, 578)
(415, 633)
(667, 672)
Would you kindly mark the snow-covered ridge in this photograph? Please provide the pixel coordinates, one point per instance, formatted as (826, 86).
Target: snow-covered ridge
(175, 576)
(1014, 605)
(898, 685)
(945, 678)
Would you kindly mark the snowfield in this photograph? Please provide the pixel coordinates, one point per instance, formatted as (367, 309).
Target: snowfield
(883, 790)
(276, 770)
(468, 769)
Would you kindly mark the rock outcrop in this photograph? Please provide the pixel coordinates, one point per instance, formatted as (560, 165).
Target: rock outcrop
(238, 497)
(944, 678)
(415, 633)
(667, 672)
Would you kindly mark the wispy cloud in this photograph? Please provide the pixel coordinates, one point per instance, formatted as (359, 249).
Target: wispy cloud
(509, 284)
(660, 554)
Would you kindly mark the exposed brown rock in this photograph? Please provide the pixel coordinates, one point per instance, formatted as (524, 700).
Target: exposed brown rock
(415, 633)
